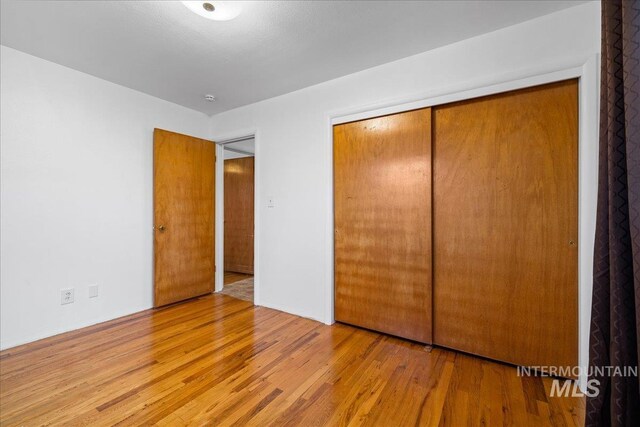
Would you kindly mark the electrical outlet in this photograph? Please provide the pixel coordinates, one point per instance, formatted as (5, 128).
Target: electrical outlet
(93, 291)
(66, 296)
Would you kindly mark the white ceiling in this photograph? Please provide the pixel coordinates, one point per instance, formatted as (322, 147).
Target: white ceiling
(248, 146)
(272, 48)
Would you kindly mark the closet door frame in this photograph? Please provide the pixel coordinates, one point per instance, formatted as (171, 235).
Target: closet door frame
(586, 71)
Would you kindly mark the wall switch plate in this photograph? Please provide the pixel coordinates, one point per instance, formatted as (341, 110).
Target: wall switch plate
(271, 203)
(93, 291)
(66, 296)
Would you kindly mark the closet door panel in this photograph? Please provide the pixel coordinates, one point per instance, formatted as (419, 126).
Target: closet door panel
(382, 197)
(505, 214)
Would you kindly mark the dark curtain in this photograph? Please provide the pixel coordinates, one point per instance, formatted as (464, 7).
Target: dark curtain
(615, 313)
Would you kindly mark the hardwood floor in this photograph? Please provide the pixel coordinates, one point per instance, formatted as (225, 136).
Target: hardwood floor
(232, 276)
(218, 360)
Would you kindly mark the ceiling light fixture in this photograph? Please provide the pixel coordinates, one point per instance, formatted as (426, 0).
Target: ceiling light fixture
(216, 10)
(210, 98)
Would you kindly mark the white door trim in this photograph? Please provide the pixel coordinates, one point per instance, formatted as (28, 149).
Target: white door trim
(219, 220)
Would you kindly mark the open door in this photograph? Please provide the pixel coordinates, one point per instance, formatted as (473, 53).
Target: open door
(184, 216)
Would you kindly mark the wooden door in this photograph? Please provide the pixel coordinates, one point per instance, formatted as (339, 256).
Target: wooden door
(382, 197)
(505, 213)
(183, 210)
(238, 214)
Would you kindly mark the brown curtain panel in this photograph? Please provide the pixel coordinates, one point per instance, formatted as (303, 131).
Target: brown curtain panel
(615, 313)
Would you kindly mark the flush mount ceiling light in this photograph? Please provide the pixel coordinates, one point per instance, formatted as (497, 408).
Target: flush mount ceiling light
(210, 98)
(216, 10)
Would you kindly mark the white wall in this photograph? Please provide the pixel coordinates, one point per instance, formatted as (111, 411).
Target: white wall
(76, 203)
(293, 154)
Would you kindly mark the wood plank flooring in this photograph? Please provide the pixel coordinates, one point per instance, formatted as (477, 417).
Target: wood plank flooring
(218, 360)
(232, 276)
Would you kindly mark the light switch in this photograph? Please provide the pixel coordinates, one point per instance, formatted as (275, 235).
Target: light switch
(93, 291)
(271, 202)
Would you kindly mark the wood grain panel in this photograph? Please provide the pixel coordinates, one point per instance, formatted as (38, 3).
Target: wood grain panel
(505, 225)
(238, 214)
(382, 190)
(220, 361)
(183, 204)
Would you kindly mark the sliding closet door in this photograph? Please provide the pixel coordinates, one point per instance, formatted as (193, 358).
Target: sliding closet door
(382, 191)
(505, 225)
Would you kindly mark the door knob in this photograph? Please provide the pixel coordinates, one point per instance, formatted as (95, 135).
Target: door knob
(162, 228)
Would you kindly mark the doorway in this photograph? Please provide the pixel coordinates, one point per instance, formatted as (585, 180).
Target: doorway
(238, 223)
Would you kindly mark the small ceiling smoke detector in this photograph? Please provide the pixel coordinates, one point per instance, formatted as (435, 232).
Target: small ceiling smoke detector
(210, 98)
(216, 10)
